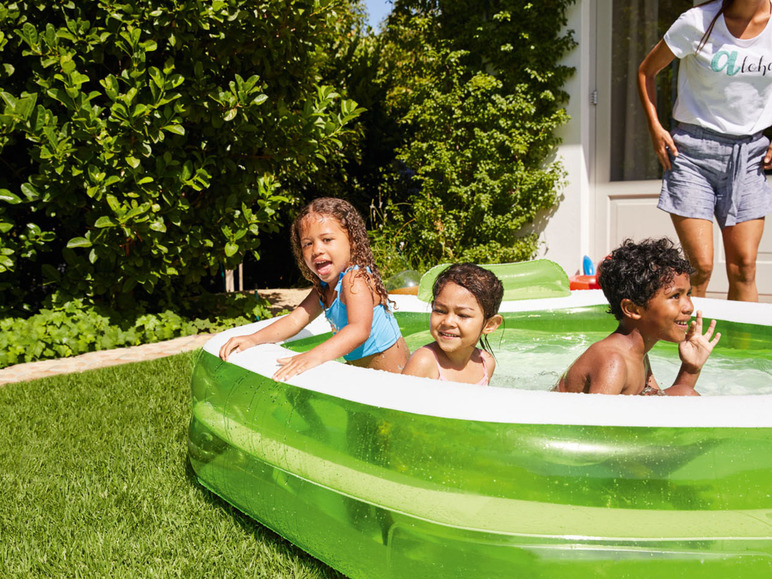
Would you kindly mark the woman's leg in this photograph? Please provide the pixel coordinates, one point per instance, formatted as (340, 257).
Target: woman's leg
(696, 237)
(741, 244)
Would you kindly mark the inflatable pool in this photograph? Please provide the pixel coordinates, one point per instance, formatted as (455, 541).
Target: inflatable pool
(380, 475)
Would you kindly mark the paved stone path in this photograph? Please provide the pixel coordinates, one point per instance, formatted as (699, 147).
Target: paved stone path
(100, 359)
(279, 298)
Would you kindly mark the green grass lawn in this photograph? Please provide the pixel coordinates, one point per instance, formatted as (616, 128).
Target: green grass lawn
(94, 482)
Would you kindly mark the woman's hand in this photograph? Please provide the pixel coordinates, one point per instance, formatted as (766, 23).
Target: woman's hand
(696, 348)
(663, 146)
(767, 164)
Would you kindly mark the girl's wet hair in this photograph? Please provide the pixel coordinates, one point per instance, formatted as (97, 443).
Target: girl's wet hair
(637, 271)
(480, 282)
(352, 223)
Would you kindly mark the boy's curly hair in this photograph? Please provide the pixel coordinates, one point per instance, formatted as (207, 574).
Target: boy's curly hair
(480, 282)
(352, 223)
(636, 271)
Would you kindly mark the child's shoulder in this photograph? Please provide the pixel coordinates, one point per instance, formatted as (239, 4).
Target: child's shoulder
(615, 341)
(357, 279)
(427, 352)
(423, 362)
(488, 360)
(354, 274)
(600, 367)
(609, 349)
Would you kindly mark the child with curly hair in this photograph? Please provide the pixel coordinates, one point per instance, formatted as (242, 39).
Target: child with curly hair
(465, 305)
(330, 243)
(648, 288)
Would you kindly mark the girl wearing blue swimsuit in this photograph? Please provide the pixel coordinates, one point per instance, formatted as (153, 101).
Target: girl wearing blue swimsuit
(384, 331)
(330, 243)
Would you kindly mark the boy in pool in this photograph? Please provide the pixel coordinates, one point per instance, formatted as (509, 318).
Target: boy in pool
(648, 288)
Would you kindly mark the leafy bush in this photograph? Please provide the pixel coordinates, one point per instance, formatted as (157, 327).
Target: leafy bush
(76, 327)
(145, 143)
(476, 90)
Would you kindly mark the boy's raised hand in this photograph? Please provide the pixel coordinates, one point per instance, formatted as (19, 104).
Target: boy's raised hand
(696, 348)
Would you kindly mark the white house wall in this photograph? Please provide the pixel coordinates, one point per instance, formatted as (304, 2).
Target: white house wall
(568, 234)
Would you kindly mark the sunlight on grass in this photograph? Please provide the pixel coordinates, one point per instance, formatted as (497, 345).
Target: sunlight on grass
(94, 481)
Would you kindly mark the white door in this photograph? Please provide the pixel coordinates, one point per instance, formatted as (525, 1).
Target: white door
(627, 176)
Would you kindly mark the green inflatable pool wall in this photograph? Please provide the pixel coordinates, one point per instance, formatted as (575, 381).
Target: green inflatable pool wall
(537, 279)
(382, 490)
(375, 492)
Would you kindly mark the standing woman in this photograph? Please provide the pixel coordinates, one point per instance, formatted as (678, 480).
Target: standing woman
(715, 159)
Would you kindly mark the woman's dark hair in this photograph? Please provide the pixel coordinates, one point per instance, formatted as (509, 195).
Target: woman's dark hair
(352, 223)
(636, 271)
(724, 5)
(480, 282)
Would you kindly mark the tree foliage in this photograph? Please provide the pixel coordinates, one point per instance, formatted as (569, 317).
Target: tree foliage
(476, 90)
(144, 144)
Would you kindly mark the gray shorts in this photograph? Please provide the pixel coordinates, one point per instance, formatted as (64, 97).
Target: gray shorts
(716, 174)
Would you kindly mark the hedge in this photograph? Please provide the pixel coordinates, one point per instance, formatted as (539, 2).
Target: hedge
(144, 144)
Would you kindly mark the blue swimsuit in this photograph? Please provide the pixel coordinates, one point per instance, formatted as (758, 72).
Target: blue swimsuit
(384, 332)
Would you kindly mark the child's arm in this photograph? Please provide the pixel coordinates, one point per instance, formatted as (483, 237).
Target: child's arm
(694, 352)
(422, 363)
(280, 330)
(359, 308)
(675, 390)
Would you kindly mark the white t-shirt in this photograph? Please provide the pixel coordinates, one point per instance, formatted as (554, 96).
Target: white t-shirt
(727, 86)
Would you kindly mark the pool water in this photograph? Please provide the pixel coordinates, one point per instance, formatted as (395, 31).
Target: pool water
(535, 361)
(534, 348)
